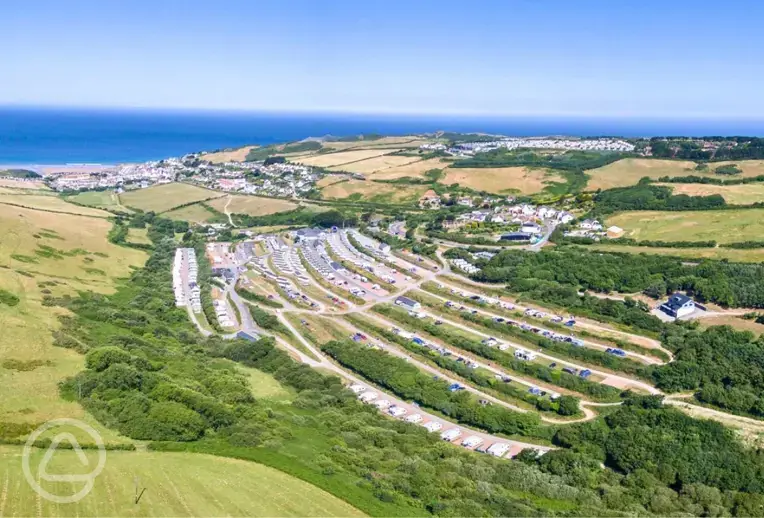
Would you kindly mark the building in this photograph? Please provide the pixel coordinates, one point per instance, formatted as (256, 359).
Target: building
(407, 303)
(310, 234)
(251, 336)
(430, 199)
(530, 228)
(614, 232)
(678, 305)
(516, 236)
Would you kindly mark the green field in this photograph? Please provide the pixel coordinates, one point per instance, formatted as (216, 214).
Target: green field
(161, 198)
(722, 226)
(108, 200)
(138, 236)
(193, 214)
(264, 386)
(754, 255)
(177, 484)
(43, 253)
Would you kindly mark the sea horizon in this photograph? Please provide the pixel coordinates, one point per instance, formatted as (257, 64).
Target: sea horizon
(40, 136)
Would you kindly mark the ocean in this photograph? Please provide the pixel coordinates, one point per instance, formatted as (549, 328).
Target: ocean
(74, 136)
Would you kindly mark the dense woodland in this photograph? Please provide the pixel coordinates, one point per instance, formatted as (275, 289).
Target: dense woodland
(567, 161)
(543, 275)
(652, 197)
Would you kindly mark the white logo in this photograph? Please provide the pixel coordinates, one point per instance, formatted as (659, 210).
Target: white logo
(42, 474)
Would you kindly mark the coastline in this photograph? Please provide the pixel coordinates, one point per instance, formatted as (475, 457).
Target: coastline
(49, 169)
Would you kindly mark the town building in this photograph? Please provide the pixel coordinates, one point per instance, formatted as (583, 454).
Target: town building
(678, 305)
(408, 304)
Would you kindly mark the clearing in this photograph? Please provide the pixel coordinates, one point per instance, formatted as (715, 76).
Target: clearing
(99, 199)
(252, 205)
(161, 198)
(740, 324)
(57, 254)
(138, 236)
(227, 155)
(379, 163)
(752, 255)
(50, 203)
(343, 157)
(723, 226)
(413, 170)
(744, 194)
(362, 190)
(630, 170)
(177, 484)
(501, 180)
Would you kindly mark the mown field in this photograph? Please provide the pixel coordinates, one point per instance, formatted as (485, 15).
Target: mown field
(177, 484)
(228, 155)
(413, 170)
(342, 157)
(722, 226)
(744, 194)
(100, 200)
(44, 253)
(630, 170)
(15, 184)
(252, 205)
(373, 192)
(50, 203)
(161, 198)
(502, 180)
(376, 164)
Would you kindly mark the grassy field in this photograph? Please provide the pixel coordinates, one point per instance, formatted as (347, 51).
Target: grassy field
(138, 236)
(630, 170)
(740, 324)
(502, 180)
(413, 170)
(252, 205)
(228, 155)
(177, 484)
(30, 270)
(723, 226)
(161, 198)
(51, 203)
(328, 180)
(100, 200)
(379, 163)
(733, 194)
(193, 213)
(398, 142)
(343, 157)
(743, 256)
(16, 184)
(374, 192)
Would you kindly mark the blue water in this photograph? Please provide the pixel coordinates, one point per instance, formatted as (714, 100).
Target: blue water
(61, 136)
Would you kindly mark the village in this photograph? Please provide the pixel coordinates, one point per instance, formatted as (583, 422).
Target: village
(566, 144)
(271, 177)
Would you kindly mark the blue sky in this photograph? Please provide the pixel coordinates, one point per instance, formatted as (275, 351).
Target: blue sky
(507, 57)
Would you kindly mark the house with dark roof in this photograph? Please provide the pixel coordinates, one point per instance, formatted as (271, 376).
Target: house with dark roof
(678, 305)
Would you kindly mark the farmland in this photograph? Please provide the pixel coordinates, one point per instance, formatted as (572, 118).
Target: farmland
(227, 155)
(373, 192)
(384, 142)
(744, 194)
(4, 182)
(413, 170)
(161, 198)
(379, 163)
(50, 203)
(99, 199)
(195, 213)
(343, 157)
(502, 180)
(722, 226)
(252, 205)
(629, 171)
(177, 484)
